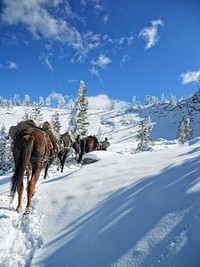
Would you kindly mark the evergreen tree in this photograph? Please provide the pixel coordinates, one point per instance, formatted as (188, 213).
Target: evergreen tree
(26, 116)
(61, 103)
(48, 102)
(6, 159)
(145, 140)
(56, 122)
(147, 98)
(78, 123)
(112, 105)
(26, 101)
(36, 114)
(71, 104)
(134, 101)
(16, 100)
(184, 132)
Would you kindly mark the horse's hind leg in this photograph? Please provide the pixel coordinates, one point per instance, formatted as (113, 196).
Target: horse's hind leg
(63, 160)
(20, 193)
(31, 188)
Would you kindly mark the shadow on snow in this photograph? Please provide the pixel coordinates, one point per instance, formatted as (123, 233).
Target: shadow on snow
(150, 222)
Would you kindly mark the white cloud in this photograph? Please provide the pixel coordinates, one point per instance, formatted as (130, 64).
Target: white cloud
(150, 34)
(12, 65)
(125, 40)
(46, 59)
(125, 59)
(40, 18)
(95, 72)
(102, 61)
(99, 101)
(98, 5)
(104, 102)
(55, 95)
(105, 19)
(40, 23)
(190, 76)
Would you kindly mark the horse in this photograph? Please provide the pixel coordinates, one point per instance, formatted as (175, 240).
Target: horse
(67, 141)
(31, 151)
(86, 145)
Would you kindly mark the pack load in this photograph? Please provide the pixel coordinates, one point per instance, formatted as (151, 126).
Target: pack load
(22, 125)
(54, 136)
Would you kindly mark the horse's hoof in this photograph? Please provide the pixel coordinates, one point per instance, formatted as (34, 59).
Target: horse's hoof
(19, 209)
(28, 210)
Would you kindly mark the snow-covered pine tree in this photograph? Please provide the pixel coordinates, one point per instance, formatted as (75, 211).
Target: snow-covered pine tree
(26, 101)
(112, 105)
(188, 129)
(6, 159)
(61, 103)
(134, 101)
(78, 123)
(56, 122)
(17, 101)
(36, 113)
(184, 132)
(2, 149)
(48, 102)
(145, 141)
(147, 98)
(71, 104)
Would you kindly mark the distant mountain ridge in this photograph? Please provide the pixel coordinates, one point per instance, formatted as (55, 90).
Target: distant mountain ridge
(166, 116)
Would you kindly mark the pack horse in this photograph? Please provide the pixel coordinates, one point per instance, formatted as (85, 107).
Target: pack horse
(32, 149)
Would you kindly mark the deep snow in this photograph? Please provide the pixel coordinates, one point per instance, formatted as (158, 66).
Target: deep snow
(126, 209)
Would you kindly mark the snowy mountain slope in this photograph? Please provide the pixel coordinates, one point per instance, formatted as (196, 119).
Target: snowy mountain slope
(127, 209)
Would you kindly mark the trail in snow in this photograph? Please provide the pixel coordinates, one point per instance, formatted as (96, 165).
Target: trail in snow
(127, 209)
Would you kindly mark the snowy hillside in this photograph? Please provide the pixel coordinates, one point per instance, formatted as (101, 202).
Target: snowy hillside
(127, 209)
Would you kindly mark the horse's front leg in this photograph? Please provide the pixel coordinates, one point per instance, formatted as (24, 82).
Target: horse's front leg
(20, 193)
(31, 188)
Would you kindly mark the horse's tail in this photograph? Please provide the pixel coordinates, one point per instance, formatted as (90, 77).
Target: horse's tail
(21, 164)
(83, 149)
(87, 146)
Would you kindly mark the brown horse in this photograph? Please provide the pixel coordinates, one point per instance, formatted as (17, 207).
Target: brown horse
(87, 144)
(31, 150)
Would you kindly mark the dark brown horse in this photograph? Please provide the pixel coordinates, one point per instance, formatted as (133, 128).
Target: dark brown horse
(67, 140)
(31, 150)
(87, 144)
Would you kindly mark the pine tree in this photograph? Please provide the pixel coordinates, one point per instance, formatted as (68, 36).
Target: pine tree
(147, 98)
(16, 100)
(145, 140)
(112, 105)
(134, 101)
(36, 114)
(61, 103)
(6, 159)
(48, 102)
(188, 129)
(26, 101)
(184, 132)
(56, 122)
(78, 123)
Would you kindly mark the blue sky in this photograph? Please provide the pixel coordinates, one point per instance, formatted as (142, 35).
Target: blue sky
(121, 48)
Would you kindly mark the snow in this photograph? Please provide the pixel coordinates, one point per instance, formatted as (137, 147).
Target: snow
(126, 209)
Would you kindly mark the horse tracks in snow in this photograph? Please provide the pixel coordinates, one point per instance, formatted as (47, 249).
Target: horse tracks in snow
(20, 235)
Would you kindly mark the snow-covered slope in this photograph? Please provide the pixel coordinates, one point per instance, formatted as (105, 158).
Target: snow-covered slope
(127, 209)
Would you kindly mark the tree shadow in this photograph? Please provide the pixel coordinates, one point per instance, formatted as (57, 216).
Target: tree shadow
(149, 223)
